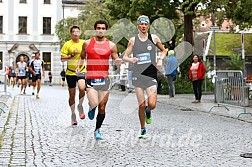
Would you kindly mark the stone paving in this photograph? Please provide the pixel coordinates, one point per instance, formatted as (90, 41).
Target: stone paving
(38, 133)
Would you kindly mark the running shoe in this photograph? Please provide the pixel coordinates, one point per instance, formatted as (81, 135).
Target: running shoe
(81, 112)
(148, 118)
(143, 134)
(91, 113)
(37, 96)
(32, 93)
(98, 135)
(73, 118)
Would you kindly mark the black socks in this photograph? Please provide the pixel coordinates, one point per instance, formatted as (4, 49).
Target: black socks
(99, 120)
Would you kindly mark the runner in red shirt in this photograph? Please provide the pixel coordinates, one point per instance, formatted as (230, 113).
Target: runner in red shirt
(96, 51)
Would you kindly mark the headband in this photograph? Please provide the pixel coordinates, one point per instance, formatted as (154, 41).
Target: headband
(143, 19)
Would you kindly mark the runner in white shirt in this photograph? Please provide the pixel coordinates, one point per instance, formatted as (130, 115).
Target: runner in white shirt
(35, 67)
(21, 68)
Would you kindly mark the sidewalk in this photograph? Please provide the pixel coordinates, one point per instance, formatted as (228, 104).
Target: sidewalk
(184, 101)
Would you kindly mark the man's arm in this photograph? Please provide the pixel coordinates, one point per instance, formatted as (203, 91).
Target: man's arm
(83, 57)
(43, 69)
(114, 55)
(16, 68)
(128, 51)
(162, 48)
(30, 67)
(65, 56)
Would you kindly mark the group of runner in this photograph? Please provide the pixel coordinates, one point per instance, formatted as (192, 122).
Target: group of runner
(26, 71)
(88, 67)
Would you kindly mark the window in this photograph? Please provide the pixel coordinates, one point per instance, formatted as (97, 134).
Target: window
(1, 60)
(22, 29)
(47, 1)
(47, 60)
(46, 25)
(22, 1)
(1, 24)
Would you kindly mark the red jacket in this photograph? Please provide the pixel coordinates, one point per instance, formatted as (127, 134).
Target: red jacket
(200, 73)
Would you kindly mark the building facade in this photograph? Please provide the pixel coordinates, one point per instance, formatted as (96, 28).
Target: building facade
(29, 25)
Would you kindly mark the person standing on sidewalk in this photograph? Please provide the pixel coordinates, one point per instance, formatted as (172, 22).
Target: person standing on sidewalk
(35, 67)
(171, 71)
(70, 52)
(144, 76)
(21, 69)
(96, 51)
(50, 77)
(197, 72)
(63, 77)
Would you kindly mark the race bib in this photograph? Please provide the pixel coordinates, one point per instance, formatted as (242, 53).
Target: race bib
(98, 81)
(37, 71)
(21, 71)
(143, 58)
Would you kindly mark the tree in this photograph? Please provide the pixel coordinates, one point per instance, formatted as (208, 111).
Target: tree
(131, 9)
(240, 12)
(92, 11)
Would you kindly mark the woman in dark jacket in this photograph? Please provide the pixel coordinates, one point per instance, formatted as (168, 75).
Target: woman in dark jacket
(196, 75)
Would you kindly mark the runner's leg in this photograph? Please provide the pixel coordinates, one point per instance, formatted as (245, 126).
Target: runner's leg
(141, 105)
(103, 99)
(81, 86)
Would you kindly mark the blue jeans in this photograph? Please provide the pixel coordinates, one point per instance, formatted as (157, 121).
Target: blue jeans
(170, 79)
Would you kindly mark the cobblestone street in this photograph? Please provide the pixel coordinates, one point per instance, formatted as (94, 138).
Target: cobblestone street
(38, 132)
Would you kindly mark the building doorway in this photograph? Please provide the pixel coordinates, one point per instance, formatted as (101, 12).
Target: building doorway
(25, 55)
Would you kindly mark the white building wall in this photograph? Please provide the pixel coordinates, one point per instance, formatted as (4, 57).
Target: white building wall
(34, 10)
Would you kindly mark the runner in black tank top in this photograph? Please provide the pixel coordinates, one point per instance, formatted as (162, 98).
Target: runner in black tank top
(146, 51)
(144, 74)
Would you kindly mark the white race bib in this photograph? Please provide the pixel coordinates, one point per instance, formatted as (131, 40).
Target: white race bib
(98, 81)
(143, 58)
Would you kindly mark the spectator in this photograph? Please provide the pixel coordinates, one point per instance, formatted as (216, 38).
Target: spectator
(63, 77)
(123, 76)
(196, 75)
(50, 78)
(171, 71)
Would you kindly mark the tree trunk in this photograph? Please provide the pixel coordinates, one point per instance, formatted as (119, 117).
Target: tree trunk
(188, 29)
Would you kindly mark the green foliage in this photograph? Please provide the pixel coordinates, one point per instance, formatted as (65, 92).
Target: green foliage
(92, 11)
(235, 62)
(131, 9)
(63, 29)
(240, 12)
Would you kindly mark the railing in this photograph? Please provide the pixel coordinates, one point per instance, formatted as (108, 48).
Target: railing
(231, 90)
(4, 93)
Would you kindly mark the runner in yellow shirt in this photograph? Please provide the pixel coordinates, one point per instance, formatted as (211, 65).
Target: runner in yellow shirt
(70, 52)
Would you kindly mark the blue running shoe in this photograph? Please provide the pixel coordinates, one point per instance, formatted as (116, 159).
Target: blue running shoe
(98, 135)
(91, 113)
(143, 134)
(148, 118)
